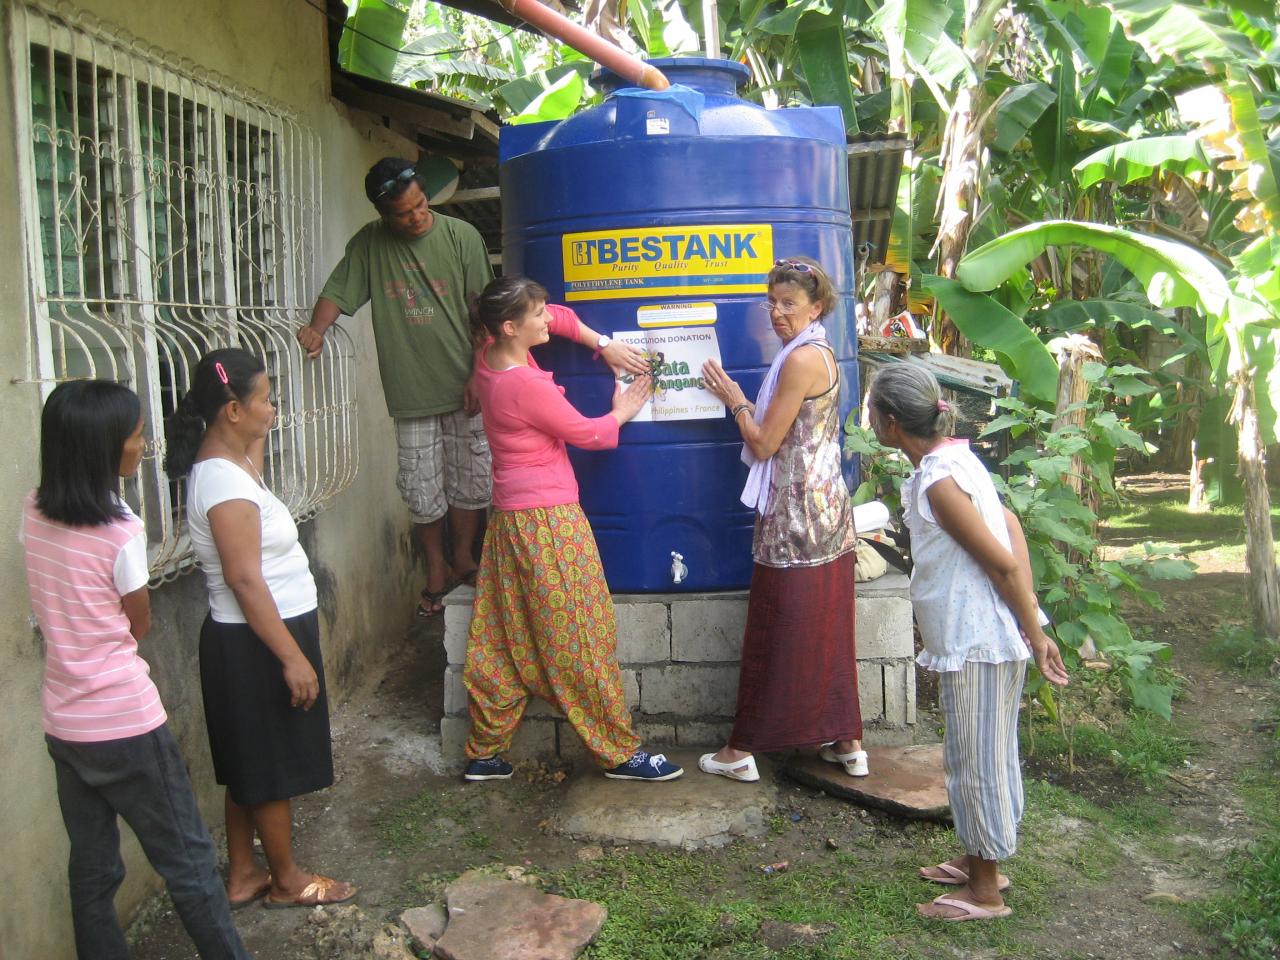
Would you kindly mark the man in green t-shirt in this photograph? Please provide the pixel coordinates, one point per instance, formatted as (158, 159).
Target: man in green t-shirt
(416, 269)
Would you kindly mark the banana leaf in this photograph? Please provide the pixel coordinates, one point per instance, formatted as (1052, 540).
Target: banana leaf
(985, 322)
(1137, 159)
(820, 41)
(911, 30)
(1172, 274)
(1181, 31)
(1016, 112)
(1253, 140)
(371, 39)
(518, 94)
(558, 101)
(1070, 315)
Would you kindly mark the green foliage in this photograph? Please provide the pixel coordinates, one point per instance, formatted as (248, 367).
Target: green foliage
(1081, 591)
(1136, 159)
(1139, 746)
(883, 468)
(1245, 914)
(986, 322)
(1240, 648)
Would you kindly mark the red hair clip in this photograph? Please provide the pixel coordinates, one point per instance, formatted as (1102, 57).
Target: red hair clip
(222, 372)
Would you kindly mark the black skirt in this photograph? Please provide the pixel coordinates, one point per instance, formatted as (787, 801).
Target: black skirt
(263, 749)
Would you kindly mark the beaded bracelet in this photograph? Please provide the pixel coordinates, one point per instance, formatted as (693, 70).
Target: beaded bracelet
(739, 408)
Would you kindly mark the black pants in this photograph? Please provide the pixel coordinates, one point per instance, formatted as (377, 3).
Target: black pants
(143, 780)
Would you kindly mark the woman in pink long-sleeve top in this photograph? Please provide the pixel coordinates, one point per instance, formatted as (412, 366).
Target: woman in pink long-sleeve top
(544, 623)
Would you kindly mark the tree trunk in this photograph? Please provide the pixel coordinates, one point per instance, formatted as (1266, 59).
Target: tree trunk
(1197, 495)
(1073, 352)
(884, 299)
(1260, 551)
(961, 157)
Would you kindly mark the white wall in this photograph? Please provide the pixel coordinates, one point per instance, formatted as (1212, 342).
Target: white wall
(359, 546)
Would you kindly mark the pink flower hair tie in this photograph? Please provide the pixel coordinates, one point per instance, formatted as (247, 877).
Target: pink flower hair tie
(943, 406)
(221, 371)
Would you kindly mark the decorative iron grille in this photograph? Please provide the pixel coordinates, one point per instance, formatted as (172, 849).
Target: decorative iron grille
(169, 212)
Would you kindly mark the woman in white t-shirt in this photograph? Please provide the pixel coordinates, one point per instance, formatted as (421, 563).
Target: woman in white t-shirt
(975, 604)
(261, 672)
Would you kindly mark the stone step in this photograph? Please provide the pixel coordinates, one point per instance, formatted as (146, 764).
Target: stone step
(697, 810)
(906, 781)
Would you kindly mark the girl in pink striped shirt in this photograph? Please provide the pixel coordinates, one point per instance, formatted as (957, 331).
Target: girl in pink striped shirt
(104, 724)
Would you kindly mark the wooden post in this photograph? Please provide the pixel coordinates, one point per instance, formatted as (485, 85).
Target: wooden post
(711, 28)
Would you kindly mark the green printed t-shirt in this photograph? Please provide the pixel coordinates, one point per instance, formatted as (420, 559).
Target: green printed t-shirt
(417, 291)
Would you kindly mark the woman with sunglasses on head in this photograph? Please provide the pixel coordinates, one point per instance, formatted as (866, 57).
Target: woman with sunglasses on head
(261, 672)
(543, 622)
(798, 685)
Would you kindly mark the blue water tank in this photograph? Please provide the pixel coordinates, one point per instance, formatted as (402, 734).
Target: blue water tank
(663, 213)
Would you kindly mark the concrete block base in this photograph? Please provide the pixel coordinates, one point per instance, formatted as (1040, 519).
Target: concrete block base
(679, 659)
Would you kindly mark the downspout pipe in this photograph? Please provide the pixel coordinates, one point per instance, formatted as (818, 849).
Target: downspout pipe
(587, 43)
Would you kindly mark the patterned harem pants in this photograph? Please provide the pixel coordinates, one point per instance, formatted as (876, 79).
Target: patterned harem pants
(544, 626)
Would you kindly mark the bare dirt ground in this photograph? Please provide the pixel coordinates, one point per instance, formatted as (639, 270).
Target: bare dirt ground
(400, 823)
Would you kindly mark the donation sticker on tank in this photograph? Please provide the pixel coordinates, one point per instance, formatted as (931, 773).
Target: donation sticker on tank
(676, 356)
(669, 261)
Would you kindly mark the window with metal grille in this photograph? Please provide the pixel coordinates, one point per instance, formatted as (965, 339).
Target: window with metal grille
(168, 212)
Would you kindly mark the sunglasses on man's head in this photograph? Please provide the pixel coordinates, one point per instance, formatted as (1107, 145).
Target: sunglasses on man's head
(404, 176)
(795, 265)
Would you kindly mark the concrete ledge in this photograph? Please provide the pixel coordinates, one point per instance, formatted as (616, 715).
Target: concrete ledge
(690, 690)
(679, 659)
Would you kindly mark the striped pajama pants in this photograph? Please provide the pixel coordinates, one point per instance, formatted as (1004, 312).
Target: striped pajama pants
(980, 755)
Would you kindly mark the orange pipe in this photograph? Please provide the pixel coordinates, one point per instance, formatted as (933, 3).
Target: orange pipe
(587, 43)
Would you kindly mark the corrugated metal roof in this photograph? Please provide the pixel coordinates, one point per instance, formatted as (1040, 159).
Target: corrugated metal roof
(874, 169)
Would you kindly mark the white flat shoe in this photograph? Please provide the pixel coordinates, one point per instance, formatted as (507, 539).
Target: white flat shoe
(744, 770)
(854, 762)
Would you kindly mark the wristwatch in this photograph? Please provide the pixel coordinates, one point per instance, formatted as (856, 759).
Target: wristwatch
(603, 341)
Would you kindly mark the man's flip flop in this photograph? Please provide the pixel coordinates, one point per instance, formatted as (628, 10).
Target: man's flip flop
(320, 892)
(957, 877)
(431, 604)
(971, 910)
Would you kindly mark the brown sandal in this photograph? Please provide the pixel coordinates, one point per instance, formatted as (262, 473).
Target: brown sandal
(320, 892)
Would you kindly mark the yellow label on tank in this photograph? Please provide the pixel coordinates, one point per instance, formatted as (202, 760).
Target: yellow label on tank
(667, 261)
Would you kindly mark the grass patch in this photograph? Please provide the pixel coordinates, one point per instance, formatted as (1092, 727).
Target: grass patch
(1139, 747)
(1163, 519)
(1239, 648)
(1247, 916)
(417, 823)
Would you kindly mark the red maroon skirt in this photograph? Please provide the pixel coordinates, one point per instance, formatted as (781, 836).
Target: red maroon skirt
(799, 680)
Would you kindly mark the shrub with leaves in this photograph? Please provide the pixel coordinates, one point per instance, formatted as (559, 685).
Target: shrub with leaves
(1081, 591)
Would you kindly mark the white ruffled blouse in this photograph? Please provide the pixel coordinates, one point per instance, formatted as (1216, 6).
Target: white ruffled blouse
(961, 615)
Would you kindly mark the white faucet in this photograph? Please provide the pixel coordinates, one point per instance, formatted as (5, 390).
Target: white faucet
(678, 570)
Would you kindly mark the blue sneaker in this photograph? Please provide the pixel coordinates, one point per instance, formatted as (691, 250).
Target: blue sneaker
(491, 768)
(645, 766)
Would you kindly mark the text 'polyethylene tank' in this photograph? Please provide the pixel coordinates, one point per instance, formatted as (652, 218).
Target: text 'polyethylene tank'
(657, 216)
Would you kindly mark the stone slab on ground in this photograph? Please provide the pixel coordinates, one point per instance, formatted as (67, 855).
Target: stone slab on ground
(491, 918)
(906, 781)
(697, 810)
(425, 924)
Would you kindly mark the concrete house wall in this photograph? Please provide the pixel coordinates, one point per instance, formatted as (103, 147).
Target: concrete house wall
(359, 545)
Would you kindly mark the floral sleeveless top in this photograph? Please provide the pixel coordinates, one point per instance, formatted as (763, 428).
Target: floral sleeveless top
(808, 520)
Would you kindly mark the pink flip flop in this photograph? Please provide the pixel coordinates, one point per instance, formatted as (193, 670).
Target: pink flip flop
(957, 877)
(971, 910)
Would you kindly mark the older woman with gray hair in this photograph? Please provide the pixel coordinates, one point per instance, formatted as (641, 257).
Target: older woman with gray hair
(798, 684)
(975, 605)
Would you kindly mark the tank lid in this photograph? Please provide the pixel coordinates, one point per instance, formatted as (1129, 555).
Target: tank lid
(702, 73)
